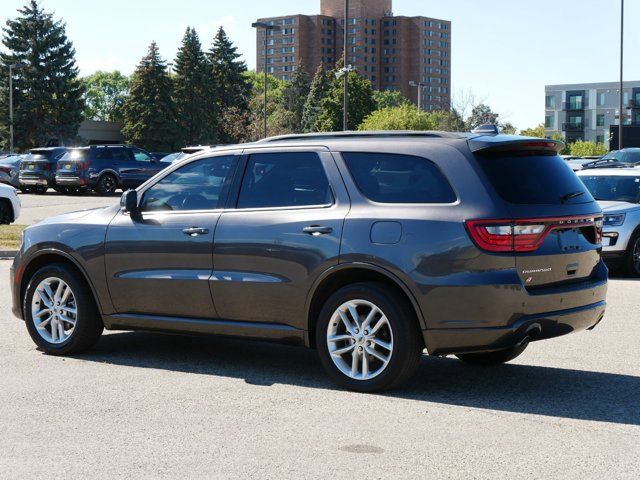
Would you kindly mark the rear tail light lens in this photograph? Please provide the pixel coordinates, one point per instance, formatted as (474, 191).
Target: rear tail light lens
(46, 166)
(524, 235)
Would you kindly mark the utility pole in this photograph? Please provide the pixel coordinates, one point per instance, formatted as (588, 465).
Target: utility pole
(266, 28)
(621, 122)
(345, 113)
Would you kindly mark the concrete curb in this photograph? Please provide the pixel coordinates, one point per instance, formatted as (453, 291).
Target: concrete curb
(4, 254)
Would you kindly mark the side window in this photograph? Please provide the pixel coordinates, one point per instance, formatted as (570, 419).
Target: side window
(391, 178)
(141, 156)
(120, 155)
(104, 154)
(198, 185)
(284, 180)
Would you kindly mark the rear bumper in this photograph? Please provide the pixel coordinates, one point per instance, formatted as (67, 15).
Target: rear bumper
(70, 181)
(34, 181)
(537, 327)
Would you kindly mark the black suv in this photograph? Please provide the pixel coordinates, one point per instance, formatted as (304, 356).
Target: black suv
(38, 169)
(104, 168)
(368, 247)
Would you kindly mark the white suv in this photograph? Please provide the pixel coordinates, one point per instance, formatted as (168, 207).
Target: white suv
(9, 204)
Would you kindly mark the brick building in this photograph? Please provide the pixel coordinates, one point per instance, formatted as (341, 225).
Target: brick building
(389, 50)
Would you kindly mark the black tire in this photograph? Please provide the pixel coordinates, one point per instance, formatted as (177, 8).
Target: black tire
(107, 184)
(489, 359)
(407, 340)
(6, 212)
(632, 257)
(40, 190)
(25, 189)
(88, 327)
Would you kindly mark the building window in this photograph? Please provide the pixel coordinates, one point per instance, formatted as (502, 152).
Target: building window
(548, 121)
(574, 102)
(600, 120)
(599, 138)
(550, 101)
(601, 99)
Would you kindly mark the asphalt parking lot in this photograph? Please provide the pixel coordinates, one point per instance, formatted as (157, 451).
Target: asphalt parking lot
(38, 207)
(144, 405)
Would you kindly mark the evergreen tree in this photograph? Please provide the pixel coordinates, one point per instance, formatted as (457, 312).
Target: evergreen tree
(47, 93)
(294, 96)
(230, 88)
(149, 112)
(313, 103)
(191, 91)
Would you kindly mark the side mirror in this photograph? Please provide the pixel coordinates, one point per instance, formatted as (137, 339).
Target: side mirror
(129, 201)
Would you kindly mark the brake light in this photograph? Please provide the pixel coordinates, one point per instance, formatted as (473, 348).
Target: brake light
(46, 166)
(524, 235)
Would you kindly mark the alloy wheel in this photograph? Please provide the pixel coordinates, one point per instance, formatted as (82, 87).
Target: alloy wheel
(360, 340)
(54, 310)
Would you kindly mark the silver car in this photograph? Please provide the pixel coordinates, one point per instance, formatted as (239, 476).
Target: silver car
(10, 169)
(618, 192)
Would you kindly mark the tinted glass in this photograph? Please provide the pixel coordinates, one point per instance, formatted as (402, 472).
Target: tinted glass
(389, 178)
(615, 188)
(141, 156)
(74, 156)
(533, 179)
(196, 186)
(631, 156)
(284, 180)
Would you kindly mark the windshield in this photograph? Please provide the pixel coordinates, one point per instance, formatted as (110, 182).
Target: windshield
(625, 156)
(171, 157)
(613, 188)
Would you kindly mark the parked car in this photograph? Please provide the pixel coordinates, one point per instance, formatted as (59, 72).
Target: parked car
(105, 168)
(185, 152)
(37, 169)
(618, 193)
(10, 170)
(626, 155)
(171, 157)
(9, 204)
(367, 246)
(159, 155)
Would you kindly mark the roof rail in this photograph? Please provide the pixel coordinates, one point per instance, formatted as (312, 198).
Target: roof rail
(364, 134)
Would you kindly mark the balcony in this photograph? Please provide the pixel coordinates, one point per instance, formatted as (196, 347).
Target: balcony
(573, 127)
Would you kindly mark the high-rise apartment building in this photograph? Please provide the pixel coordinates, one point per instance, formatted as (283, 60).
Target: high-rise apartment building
(391, 51)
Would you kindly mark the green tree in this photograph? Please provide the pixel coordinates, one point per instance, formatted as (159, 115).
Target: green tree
(537, 132)
(481, 115)
(361, 102)
(389, 98)
(404, 117)
(191, 91)
(48, 95)
(278, 119)
(582, 148)
(294, 96)
(508, 129)
(313, 103)
(230, 87)
(105, 94)
(447, 121)
(149, 112)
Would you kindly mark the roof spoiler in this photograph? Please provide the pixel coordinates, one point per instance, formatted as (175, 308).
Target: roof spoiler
(514, 144)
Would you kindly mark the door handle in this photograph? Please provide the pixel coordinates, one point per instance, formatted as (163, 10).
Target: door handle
(316, 230)
(195, 231)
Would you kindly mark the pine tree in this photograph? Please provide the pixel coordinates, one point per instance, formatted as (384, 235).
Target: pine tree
(313, 103)
(149, 112)
(191, 91)
(230, 88)
(294, 97)
(47, 93)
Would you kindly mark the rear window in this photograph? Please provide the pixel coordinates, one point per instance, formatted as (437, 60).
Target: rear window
(74, 156)
(534, 179)
(37, 157)
(391, 178)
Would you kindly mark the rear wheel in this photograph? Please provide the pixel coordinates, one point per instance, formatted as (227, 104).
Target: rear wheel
(632, 259)
(499, 357)
(107, 184)
(40, 190)
(368, 338)
(59, 311)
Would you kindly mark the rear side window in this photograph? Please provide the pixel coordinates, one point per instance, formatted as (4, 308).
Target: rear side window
(391, 178)
(534, 179)
(284, 180)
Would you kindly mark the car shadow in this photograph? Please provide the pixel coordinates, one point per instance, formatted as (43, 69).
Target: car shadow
(553, 392)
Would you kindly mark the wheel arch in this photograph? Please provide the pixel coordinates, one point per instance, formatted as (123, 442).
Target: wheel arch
(49, 257)
(109, 171)
(345, 274)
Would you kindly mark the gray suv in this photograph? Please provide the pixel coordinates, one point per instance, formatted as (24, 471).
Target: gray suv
(369, 247)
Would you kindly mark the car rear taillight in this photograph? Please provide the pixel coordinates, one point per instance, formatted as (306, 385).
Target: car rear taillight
(46, 166)
(83, 165)
(525, 234)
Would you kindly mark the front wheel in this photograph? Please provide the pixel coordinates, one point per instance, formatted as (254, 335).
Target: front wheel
(368, 338)
(633, 256)
(488, 359)
(59, 311)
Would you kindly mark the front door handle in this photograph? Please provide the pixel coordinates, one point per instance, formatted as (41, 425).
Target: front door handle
(316, 230)
(195, 231)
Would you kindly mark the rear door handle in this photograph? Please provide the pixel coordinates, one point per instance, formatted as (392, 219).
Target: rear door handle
(316, 230)
(195, 231)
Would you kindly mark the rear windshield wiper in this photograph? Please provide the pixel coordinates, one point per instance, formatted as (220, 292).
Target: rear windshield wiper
(569, 196)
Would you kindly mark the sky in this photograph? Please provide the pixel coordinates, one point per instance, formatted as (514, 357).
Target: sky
(503, 51)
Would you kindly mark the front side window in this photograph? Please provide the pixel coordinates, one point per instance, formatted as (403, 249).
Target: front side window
(141, 156)
(274, 180)
(392, 178)
(199, 185)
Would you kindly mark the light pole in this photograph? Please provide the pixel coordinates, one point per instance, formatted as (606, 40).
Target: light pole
(345, 102)
(266, 28)
(15, 66)
(621, 127)
(420, 86)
